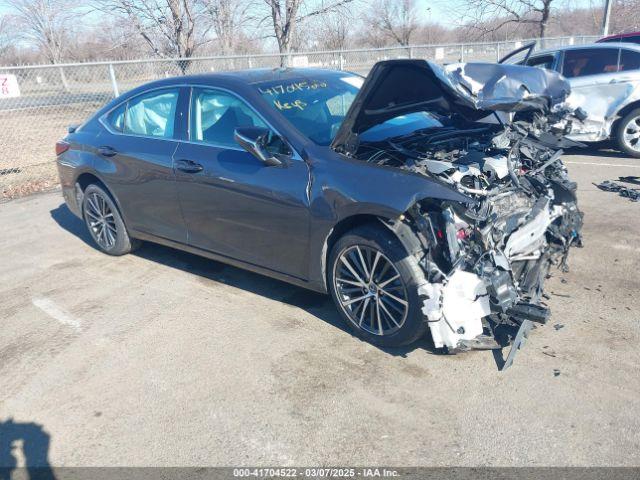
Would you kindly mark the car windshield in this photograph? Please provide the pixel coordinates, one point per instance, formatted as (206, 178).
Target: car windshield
(317, 106)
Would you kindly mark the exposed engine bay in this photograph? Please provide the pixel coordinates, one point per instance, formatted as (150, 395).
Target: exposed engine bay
(485, 261)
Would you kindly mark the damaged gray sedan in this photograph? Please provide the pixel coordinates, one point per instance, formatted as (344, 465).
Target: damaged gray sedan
(479, 262)
(422, 199)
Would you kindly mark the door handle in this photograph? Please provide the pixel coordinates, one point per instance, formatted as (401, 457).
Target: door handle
(189, 166)
(106, 151)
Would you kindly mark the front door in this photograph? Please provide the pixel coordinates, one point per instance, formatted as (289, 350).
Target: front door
(233, 204)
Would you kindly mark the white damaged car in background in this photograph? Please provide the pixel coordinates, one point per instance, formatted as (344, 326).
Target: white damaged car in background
(494, 133)
(605, 82)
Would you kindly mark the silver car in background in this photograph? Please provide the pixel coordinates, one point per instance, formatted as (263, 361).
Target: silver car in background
(605, 82)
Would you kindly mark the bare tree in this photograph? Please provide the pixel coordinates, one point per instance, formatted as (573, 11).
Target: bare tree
(6, 40)
(625, 16)
(45, 24)
(286, 15)
(114, 40)
(227, 18)
(430, 33)
(333, 30)
(169, 27)
(393, 19)
(491, 15)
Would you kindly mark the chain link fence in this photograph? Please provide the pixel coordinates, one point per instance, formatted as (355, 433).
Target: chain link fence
(39, 103)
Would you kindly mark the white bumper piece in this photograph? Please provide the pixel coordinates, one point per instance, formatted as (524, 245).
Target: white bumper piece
(455, 309)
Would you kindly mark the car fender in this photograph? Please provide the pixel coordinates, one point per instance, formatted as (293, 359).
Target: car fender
(344, 189)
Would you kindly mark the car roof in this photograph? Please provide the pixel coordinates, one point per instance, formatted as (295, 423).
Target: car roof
(619, 35)
(251, 76)
(629, 46)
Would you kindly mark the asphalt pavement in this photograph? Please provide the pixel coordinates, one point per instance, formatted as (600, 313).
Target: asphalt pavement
(164, 358)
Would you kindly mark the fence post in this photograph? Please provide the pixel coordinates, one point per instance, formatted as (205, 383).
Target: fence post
(114, 82)
(497, 52)
(63, 78)
(461, 53)
(410, 52)
(341, 61)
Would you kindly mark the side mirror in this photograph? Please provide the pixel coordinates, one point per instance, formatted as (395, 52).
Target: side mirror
(255, 140)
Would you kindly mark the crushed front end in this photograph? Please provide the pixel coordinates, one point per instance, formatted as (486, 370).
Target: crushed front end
(485, 261)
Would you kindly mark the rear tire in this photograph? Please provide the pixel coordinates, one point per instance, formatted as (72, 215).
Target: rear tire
(375, 307)
(627, 133)
(105, 223)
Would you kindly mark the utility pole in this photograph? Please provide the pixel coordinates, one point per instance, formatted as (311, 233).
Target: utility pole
(607, 15)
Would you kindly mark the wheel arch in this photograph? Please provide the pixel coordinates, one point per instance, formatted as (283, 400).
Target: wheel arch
(90, 178)
(87, 178)
(616, 135)
(627, 108)
(620, 114)
(400, 230)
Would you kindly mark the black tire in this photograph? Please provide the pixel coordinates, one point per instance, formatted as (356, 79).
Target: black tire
(104, 222)
(369, 239)
(630, 147)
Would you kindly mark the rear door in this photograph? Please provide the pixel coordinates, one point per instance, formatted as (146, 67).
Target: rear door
(233, 203)
(135, 157)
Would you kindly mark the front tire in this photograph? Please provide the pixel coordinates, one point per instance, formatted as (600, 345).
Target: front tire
(374, 283)
(627, 134)
(105, 223)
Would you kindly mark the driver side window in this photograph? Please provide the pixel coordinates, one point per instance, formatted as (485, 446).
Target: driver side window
(215, 115)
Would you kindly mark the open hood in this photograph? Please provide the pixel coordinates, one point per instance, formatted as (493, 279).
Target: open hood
(470, 90)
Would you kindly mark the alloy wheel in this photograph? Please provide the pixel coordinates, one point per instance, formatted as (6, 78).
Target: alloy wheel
(631, 134)
(370, 290)
(101, 221)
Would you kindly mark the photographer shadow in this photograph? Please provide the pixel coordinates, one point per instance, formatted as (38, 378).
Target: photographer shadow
(34, 441)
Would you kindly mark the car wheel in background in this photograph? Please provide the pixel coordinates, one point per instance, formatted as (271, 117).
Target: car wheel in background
(374, 284)
(627, 135)
(105, 223)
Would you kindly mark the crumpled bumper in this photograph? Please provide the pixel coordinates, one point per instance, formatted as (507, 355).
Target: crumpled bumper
(460, 308)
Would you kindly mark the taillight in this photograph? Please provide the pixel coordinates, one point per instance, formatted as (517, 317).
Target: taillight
(61, 147)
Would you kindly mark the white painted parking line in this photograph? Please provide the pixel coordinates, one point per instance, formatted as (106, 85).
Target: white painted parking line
(56, 312)
(604, 164)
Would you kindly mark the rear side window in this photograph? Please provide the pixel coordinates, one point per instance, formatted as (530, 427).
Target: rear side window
(589, 61)
(152, 114)
(544, 61)
(629, 60)
(115, 119)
